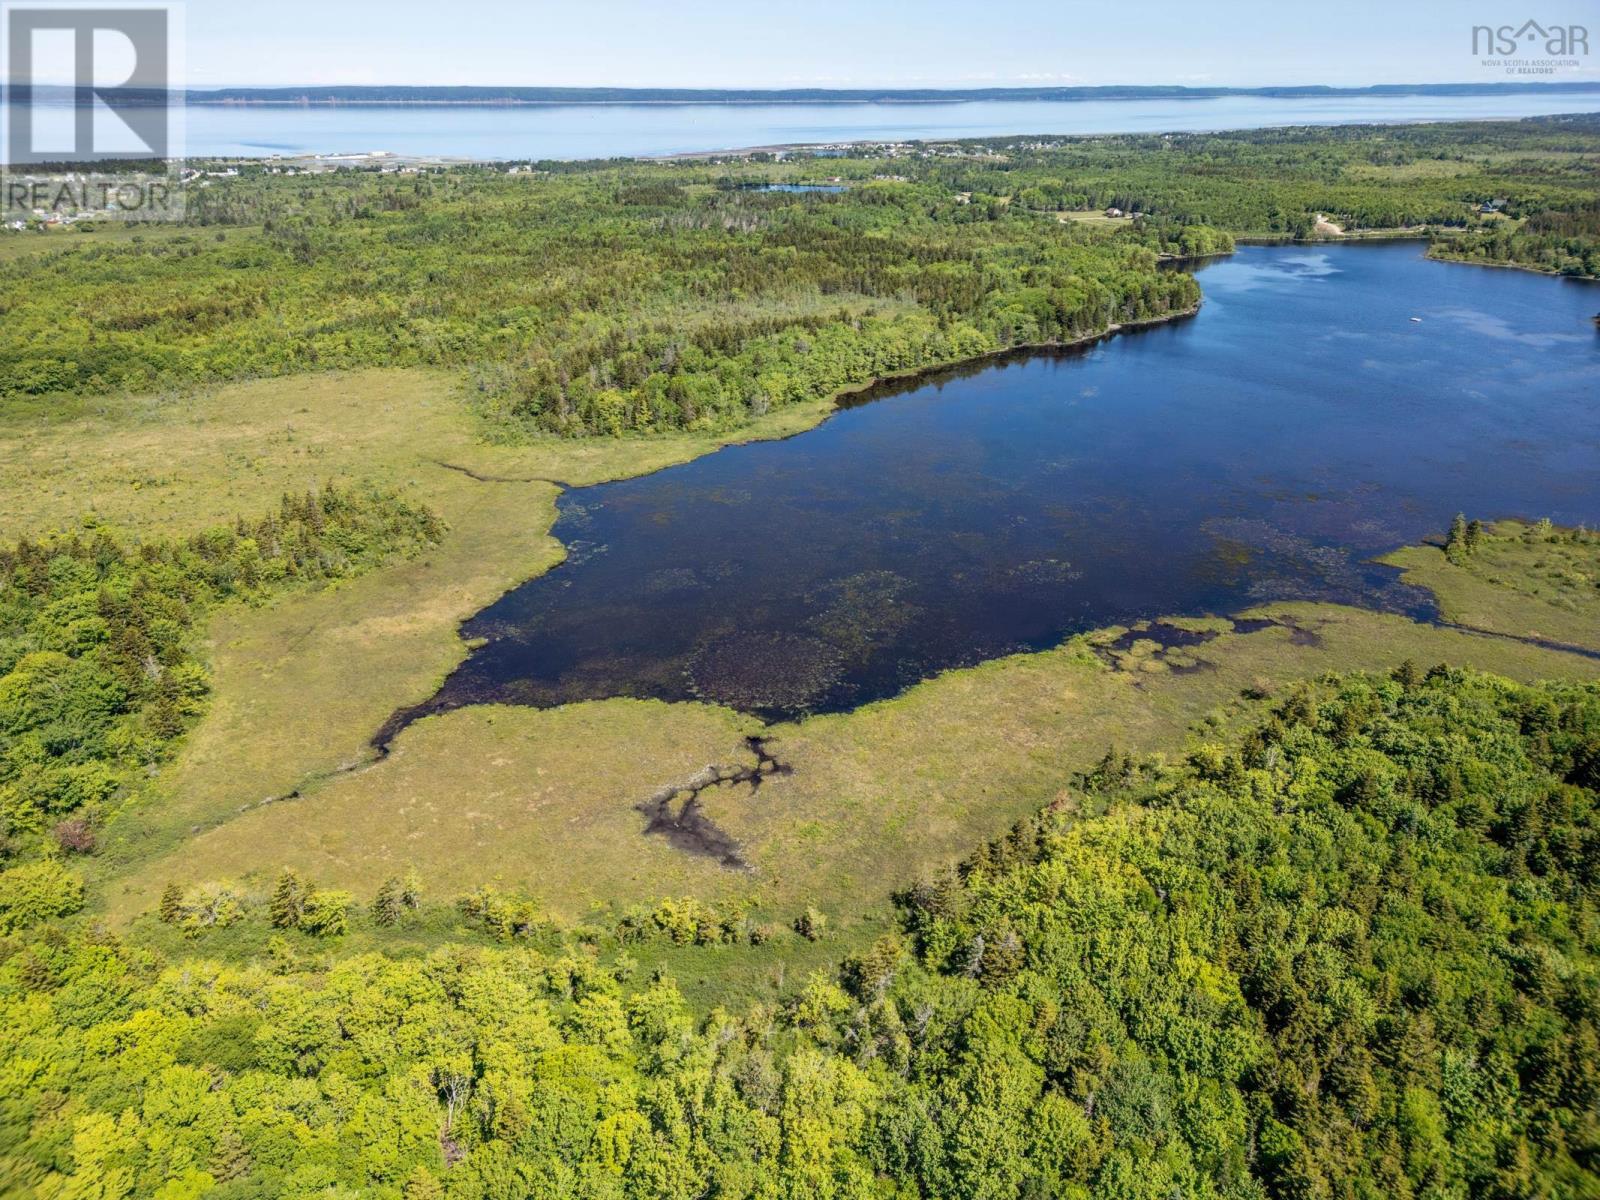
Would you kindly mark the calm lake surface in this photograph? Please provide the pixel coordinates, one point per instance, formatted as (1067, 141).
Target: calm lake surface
(625, 130)
(1264, 449)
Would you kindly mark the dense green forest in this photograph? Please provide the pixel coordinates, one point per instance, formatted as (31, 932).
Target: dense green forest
(1348, 952)
(1563, 241)
(593, 302)
(1275, 182)
(1343, 948)
(100, 671)
(630, 297)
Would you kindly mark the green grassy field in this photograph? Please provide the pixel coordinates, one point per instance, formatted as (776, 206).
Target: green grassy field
(546, 801)
(110, 233)
(1522, 580)
(300, 685)
(1093, 218)
(176, 462)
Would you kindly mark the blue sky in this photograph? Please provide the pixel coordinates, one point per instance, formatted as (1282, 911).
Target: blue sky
(846, 43)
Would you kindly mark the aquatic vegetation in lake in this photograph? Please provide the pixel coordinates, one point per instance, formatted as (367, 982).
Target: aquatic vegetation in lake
(863, 611)
(755, 671)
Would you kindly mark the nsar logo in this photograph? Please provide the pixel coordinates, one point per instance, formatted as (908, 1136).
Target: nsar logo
(1553, 41)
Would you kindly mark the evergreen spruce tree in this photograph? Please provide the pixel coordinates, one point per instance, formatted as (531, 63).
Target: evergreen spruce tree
(423, 1185)
(1455, 544)
(34, 973)
(229, 1158)
(388, 904)
(171, 903)
(166, 722)
(288, 901)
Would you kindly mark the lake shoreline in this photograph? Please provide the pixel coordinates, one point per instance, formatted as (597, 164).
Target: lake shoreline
(1515, 266)
(1401, 235)
(1288, 554)
(404, 716)
(918, 375)
(1289, 239)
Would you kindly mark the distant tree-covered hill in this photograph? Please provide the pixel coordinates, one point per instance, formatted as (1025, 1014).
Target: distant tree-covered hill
(619, 95)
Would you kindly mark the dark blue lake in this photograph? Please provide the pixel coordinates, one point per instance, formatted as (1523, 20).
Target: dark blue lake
(1264, 449)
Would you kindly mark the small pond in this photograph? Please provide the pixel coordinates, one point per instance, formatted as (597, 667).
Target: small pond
(795, 187)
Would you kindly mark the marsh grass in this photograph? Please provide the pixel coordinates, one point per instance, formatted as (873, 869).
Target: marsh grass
(1523, 580)
(300, 686)
(546, 801)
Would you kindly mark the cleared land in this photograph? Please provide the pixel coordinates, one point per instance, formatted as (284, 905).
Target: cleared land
(17, 245)
(1093, 217)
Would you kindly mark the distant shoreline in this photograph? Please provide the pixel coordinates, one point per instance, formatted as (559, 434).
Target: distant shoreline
(1221, 130)
(398, 96)
(848, 140)
(360, 158)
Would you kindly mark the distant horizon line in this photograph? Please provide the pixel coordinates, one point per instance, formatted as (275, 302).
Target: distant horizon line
(333, 95)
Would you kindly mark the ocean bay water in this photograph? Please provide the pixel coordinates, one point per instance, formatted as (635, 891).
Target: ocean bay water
(639, 130)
